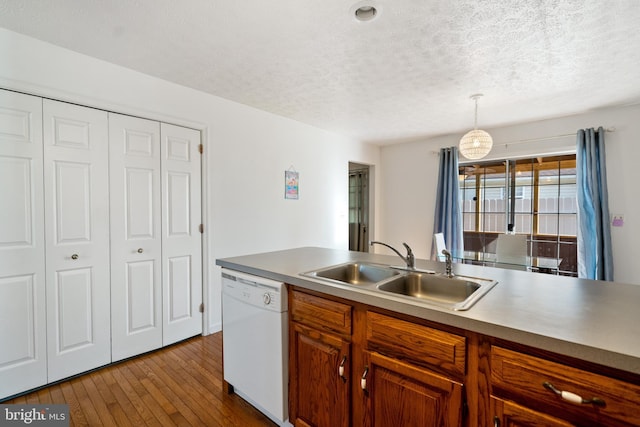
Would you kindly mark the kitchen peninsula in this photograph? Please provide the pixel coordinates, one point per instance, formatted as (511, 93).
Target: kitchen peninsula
(528, 324)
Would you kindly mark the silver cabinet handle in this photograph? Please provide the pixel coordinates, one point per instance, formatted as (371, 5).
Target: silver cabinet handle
(74, 256)
(140, 250)
(572, 397)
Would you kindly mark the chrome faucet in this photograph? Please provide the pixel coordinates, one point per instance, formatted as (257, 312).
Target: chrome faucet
(409, 259)
(447, 266)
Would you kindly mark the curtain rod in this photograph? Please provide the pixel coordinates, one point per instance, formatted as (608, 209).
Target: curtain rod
(544, 138)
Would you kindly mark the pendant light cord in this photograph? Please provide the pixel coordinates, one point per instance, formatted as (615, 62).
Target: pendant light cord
(475, 122)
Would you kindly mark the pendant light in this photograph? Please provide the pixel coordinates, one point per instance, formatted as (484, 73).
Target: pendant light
(476, 143)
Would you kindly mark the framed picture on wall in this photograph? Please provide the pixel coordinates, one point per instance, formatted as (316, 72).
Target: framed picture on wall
(291, 183)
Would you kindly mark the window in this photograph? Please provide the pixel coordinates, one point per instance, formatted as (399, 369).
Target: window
(535, 196)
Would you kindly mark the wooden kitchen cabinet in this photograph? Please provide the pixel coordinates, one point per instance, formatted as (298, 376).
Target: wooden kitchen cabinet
(523, 385)
(414, 374)
(404, 371)
(509, 414)
(351, 366)
(402, 394)
(441, 351)
(319, 394)
(319, 361)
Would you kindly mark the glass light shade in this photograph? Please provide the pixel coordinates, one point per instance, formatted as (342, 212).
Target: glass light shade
(475, 144)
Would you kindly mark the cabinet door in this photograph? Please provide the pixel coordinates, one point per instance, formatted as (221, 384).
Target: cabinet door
(319, 394)
(23, 363)
(554, 387)
(136, 258)
(509, 414)
(400, 394)
(77, 238)
(181, 237)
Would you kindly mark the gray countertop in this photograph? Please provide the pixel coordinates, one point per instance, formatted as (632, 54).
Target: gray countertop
(591, 320)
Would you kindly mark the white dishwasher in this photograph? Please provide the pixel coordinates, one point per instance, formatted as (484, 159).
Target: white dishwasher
(254, 339)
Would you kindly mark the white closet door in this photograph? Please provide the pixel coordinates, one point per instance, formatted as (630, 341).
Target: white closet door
(23, 356)
(136, 258)
(77, 238)
(181, 237)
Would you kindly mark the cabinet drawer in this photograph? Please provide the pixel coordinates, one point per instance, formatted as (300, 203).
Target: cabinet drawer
(521, 378)
(320, 313)
(399, 338)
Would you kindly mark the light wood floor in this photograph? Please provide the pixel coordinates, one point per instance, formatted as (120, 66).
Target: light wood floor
(180, 385)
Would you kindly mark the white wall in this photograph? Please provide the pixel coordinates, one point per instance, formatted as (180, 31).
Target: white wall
(410, 171)
(247, 152)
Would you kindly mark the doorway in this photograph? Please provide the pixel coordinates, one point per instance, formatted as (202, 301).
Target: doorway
(359, 207)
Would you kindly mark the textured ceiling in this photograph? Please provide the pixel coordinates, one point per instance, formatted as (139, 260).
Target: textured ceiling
(407, 74)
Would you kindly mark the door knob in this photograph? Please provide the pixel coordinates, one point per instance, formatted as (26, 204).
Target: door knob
(140, 250)
(74, 256)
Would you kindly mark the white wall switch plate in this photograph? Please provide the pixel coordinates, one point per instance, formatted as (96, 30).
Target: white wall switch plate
(618, 220)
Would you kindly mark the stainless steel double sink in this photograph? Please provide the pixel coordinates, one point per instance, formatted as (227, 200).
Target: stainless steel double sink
(455, 293)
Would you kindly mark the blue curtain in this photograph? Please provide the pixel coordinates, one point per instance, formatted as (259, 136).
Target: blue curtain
(448, 215)
(595, 260)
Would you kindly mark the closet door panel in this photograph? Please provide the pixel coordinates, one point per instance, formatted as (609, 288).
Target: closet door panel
(17, 224)
(73, 295)
(135, 194)
(77, 236)
(181, 237)
(23, 363)
(72, 202)
(142, 310)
